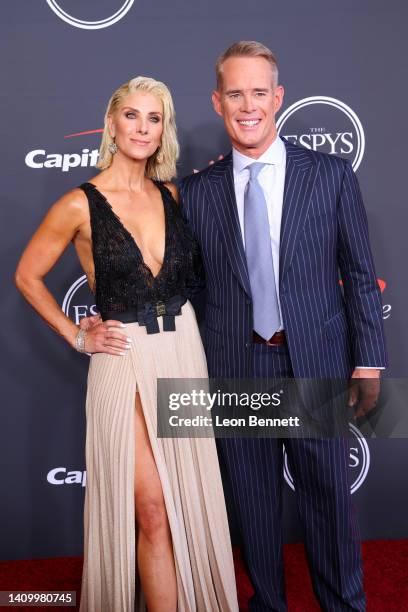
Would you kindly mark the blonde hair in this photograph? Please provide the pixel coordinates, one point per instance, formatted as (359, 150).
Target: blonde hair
(247, 48)
(162, 167)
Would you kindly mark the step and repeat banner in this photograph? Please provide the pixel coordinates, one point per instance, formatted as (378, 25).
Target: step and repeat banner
(342, 65)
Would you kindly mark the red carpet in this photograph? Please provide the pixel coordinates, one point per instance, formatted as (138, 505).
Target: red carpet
(385, 567)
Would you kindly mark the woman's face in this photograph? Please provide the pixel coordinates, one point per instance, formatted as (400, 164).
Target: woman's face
(137, 125)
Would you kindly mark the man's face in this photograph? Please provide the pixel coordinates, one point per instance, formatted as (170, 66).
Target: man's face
(248, 102)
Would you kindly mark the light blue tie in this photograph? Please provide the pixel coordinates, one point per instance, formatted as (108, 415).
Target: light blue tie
(259, 256)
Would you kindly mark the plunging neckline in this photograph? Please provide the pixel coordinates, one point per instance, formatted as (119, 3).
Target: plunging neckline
(130, 235)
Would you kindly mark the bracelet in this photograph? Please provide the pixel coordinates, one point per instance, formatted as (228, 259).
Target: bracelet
(79, 343)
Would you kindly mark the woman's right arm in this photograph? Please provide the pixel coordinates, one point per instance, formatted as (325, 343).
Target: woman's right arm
(46, 246)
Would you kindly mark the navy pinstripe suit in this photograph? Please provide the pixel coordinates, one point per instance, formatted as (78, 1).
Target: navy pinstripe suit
(324, 230)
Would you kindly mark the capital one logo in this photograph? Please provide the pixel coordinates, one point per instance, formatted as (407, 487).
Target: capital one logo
(119, 10)
(60, 476)
(324, 124)
(40, 158)
(359, 461)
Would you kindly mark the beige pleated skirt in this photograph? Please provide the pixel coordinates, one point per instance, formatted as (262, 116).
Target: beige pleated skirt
(188, 469)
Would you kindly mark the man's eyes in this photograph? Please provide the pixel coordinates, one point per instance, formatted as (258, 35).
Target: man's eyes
(257, 94)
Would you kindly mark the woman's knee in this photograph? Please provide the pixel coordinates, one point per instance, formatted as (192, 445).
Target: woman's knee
(151, 517)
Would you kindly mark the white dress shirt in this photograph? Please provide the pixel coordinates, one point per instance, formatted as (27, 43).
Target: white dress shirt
(272, 180)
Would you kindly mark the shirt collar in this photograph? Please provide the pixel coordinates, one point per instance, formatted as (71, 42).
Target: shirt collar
(274, 155)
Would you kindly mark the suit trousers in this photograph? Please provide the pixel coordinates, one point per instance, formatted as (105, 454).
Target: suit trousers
(253, 469)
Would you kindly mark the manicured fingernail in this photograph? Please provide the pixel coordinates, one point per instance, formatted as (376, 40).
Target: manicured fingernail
(122, 325)
(129, 339)
(127, 346)
(121, 353)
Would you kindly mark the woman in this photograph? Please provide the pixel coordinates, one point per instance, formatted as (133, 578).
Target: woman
(154, 508)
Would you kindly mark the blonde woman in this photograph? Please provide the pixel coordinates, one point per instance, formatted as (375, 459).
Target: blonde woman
(155, 525)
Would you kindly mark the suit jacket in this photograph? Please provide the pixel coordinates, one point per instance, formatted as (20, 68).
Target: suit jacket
(330, 328)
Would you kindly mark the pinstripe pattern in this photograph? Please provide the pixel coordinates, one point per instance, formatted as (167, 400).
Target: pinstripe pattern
(320, 473)
(329, 331)
(324, 230)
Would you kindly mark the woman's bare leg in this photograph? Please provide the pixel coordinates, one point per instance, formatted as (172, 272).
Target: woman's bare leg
(154, 546)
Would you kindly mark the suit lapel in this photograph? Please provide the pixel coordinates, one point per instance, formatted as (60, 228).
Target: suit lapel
(300, 176)
(221, 195)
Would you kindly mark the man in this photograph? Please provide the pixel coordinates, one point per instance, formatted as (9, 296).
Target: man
(273, 238)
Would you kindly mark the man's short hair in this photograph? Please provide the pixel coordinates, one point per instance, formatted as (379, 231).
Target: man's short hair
(247, 48)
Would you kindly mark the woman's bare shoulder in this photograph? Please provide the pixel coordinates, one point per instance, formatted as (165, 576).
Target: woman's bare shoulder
(73, 201)
(70, 211)
(76, 199)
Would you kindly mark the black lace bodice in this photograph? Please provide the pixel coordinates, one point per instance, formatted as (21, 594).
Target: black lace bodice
(122, 280)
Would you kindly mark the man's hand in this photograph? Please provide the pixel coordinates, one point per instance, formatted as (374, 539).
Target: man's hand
(364, 390)
(210, 163)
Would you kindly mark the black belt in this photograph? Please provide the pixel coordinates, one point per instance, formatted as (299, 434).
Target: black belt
(147, 314)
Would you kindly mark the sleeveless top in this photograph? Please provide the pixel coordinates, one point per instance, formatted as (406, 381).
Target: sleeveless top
(123, 282)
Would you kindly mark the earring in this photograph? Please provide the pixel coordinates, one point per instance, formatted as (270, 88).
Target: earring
(113, 148)
(159, 156)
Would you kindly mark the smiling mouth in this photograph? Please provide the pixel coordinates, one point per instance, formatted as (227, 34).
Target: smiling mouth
(248, 122)
(140, 142)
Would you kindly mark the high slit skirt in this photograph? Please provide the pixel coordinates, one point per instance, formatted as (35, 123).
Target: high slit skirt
(188, 469)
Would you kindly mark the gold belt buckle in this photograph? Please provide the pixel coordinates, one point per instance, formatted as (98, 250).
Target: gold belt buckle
(160, 309)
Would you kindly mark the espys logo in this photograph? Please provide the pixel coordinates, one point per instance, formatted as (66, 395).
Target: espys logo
(324, 124)
(359, 461)
(386, 307)
(39, 158)
(84, 303)
(119, 10)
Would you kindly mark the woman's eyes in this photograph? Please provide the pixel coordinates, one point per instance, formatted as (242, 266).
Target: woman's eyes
(153, 118)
